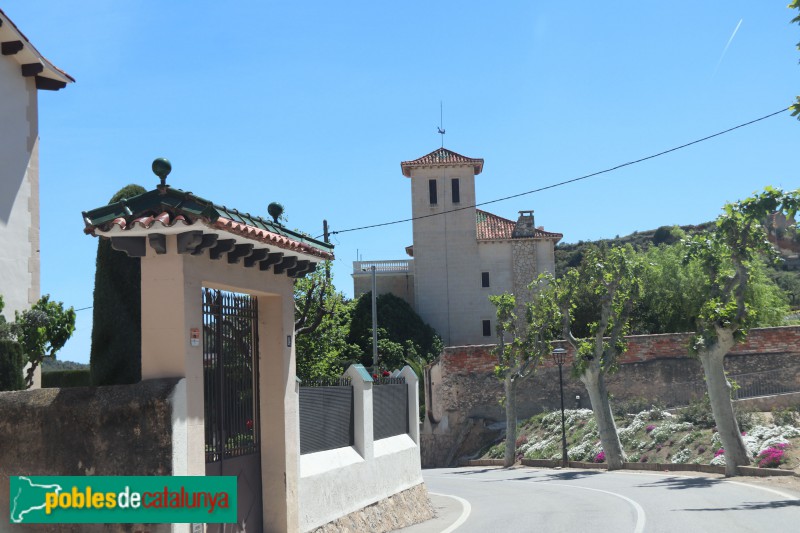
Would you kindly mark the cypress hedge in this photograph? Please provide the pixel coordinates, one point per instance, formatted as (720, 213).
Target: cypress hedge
(12, 362)
(116, 354)
(66, 378)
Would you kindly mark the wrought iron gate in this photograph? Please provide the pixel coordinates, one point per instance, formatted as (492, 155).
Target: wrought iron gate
(230, 375)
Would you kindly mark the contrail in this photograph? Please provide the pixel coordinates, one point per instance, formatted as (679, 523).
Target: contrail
(721, 57)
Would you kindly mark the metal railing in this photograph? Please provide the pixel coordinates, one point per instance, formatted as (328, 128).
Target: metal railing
(326, 415)
(398, 266)
(761, 384)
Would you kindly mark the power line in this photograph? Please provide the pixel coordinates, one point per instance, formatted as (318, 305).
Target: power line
(573, 180)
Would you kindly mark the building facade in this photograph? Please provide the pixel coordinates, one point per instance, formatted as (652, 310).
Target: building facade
(460, 254)
(23, 72)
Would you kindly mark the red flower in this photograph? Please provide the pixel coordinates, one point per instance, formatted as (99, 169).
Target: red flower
(249, 424)
(374, 376)
(386, 373)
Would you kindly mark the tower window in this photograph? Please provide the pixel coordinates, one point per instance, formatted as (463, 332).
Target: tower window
(432, 191)
(456, 191)
(484, 279)
(487, 328)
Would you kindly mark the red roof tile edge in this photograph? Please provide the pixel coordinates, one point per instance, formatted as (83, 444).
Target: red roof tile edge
(268, 237)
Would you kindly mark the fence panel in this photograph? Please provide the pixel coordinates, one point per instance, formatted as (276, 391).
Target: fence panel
(326, 417)
(389, 408)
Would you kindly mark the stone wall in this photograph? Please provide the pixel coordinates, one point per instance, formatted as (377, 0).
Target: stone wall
(86, 431)
(463, 396)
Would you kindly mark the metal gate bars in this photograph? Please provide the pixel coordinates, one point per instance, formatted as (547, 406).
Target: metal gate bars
(230, 374)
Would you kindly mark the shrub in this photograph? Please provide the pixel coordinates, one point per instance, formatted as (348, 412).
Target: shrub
(773, 456)
(66, 378)
(785, 417)
(698, 412)
(12, 362)
(600, 457)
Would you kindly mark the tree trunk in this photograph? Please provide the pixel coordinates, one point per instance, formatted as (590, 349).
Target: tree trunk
(719, 392)
(595, 383)
(511, 421)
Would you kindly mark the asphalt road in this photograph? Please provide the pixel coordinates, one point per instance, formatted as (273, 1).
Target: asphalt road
(531, 500)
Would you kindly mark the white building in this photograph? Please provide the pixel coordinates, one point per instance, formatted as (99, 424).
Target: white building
(23, 72)
(461, 254)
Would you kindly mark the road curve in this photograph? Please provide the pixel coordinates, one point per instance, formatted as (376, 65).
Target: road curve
(592, 501)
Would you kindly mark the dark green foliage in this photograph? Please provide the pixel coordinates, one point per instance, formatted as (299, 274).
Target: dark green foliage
(116, 354)
(668, 235)
(12, 361)
(66, 378)
(401, 332)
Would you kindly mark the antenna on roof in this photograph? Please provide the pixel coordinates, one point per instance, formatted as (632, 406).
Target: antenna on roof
(440, 129)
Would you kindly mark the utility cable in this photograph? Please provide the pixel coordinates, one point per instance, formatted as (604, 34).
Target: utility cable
(573, 180)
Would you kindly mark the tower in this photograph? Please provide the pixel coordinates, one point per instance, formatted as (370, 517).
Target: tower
(445, 250)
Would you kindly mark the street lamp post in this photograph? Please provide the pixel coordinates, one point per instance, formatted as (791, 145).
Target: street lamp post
(559, 354)
(374, 320)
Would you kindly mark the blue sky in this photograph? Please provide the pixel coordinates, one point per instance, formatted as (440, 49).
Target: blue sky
(315, 104)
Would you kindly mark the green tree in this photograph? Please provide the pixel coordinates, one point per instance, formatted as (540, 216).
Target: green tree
(116, 352)
(42, 331)
(519, 352)
(322, 322)
(729, 256)
(612, 279)
(402, 334)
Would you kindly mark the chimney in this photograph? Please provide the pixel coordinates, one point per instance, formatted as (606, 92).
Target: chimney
(524, 226)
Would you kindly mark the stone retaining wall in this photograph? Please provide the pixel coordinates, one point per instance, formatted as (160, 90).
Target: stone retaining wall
(463, 396)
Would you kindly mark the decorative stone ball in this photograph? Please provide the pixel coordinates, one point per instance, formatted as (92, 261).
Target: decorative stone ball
(275, 210)
(162, 167)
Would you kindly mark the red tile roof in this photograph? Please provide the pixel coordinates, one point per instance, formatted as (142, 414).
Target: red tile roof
(492, 227)
(441, 157)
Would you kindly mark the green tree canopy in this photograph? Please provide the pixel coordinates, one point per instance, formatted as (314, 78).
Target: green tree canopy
(321, 350)
(403, 333)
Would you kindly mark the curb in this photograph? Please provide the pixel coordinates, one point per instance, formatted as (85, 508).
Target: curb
(752, 471)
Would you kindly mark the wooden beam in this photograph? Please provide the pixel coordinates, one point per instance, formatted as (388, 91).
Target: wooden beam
(158, 242)
(209, 240)
(49, 84)
(272, 259)
(287, 263)
(32, 69)
(133, 246)
(9, 48)
(257, 255)
(222, 247)
(239, 251)
(299, 267)
(188, 241)
(310, 268)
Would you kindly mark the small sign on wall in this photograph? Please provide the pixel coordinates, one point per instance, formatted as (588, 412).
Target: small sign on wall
(194, 336)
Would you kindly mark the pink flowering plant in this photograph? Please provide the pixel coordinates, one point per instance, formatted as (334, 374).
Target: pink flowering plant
(773, 456)
(719, 452)
(600, 457)
(650, 428)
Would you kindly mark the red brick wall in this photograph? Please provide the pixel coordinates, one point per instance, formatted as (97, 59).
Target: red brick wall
(641, 348)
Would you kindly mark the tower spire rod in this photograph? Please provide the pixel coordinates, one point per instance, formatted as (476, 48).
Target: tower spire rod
(440, 129)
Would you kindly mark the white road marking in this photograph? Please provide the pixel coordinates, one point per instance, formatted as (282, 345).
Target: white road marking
(466, 509)
(640, 516)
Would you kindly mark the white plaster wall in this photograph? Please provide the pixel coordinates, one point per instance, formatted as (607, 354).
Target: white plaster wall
(334, 483)
(495, 258)
(446, 262)
(546, 256)
(19, 189)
